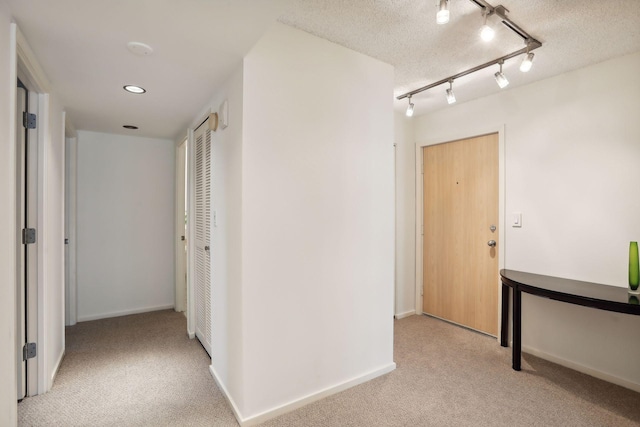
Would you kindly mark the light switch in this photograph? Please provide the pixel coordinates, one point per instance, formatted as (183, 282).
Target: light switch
(516, 220)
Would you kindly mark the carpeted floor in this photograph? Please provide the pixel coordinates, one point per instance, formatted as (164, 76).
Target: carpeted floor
(142, 370)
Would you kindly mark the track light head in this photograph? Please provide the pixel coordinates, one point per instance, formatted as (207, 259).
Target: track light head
(442, 17)
(527, 62)
(409, 112)
(486, 32)
(451, 98)
(501, 79)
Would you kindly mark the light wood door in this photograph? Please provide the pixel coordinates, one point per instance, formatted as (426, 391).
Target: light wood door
(460, 206)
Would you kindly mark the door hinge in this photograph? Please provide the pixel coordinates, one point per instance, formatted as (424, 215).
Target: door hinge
(28, 120)
(29, 351)
(28, 236)
(422, 291)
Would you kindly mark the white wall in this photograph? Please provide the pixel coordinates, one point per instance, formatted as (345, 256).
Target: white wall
(572, 150)
(226, 241)
(8, 407)
(405, 218)
(125, 214)
(317, 219)
(51, 224)
(53, 295)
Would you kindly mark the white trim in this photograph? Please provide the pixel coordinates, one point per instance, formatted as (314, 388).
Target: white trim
(225, 393)
(124, 312)
(395, 227)
(61, 245)
(582, 368)
(419, 236)
(42, 130)
(297, 403)
(57, 366)
(405, 314)
(70, 130)
(455, 135)
(8, 388)
(191, 312)
(70, 215)
(32, 75)
(179, 227)
(29, 65)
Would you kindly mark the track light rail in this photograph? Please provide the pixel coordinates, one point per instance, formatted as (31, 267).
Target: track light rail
(501, 11)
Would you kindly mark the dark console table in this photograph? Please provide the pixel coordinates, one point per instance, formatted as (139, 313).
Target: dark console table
(603, 297)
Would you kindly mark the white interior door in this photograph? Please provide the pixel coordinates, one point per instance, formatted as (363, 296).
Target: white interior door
(27, 243)
(202, 282)
(33, 197)
(21, 337)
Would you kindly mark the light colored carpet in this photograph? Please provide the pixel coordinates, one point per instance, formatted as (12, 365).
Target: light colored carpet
(142, 370)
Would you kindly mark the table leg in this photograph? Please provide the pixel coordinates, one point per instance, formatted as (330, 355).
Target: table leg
(517, 325)
(504, 321)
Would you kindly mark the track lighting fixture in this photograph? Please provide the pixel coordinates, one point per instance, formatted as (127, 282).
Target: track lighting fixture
(451, 98)
(501, 12)
(486, 32)
(442, 17)
(527, 62)
(410, 108)
(500, 77)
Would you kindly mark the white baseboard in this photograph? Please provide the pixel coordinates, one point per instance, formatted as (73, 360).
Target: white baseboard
(298, 403)
(399, 316)
(191, 335)
(123, 313)
(225, 392)
(582, 368)
(55, 369)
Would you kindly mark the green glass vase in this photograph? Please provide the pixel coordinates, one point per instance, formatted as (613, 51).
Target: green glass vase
(634, 269)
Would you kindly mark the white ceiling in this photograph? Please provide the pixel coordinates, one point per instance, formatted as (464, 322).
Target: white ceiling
(81, 45)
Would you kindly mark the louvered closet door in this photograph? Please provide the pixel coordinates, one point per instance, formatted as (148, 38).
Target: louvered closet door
(203, 235)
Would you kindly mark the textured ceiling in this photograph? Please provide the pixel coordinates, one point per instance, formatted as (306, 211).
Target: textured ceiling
(404, 33)
(81, 45)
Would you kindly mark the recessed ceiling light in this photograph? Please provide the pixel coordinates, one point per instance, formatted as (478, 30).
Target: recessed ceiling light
(130, 127)
(134, 89)
(140, 49)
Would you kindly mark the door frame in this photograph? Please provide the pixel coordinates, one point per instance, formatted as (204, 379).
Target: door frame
(191, 209)
(181, 198)
(451, 135)
(70, 206)
(33, 77)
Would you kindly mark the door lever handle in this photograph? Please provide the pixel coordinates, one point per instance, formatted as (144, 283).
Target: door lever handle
(491, 243)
